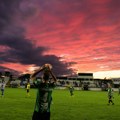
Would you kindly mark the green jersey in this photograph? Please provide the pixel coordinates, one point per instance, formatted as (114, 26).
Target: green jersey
(71, 88)
(119, 89)
(110, 92)
(44, 96)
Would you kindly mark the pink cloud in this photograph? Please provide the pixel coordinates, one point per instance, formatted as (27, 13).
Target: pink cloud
(16, 66)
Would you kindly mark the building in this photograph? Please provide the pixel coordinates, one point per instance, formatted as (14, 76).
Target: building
(85, 76)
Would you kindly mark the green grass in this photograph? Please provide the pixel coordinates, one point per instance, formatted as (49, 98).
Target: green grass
(84, 105)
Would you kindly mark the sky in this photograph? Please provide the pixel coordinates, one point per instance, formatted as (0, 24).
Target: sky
(72, 35)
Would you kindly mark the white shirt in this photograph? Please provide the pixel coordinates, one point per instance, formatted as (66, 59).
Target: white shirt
(2, 85)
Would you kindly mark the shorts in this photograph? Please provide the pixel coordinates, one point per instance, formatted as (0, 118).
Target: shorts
(41, 116)
(110, 97)
(28, 90)
(2, 90)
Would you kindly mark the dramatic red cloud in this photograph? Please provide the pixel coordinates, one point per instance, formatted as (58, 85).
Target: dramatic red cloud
(88, 35)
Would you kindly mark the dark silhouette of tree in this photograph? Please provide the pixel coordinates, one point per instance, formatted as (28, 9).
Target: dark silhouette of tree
(7, 73)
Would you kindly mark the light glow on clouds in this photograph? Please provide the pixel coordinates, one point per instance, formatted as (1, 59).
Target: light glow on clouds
(107, 74)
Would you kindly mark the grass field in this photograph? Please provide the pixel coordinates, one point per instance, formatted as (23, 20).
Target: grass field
(84, 105)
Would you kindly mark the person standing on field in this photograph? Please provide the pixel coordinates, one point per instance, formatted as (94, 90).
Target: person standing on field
(119, 90)
(2, 87)
(44, 93)
(28, 89)
(110, 95)
(71, 89)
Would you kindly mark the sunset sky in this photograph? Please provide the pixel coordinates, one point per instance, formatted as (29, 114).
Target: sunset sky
(72, 35)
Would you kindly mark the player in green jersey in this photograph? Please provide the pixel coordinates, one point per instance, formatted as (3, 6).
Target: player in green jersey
(71, 89)
(110, 95)
(119, 90)
(44, 93)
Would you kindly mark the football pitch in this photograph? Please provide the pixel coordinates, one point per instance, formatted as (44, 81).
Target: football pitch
(84, 105)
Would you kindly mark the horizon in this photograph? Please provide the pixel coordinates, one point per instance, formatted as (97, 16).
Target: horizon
(96, 75)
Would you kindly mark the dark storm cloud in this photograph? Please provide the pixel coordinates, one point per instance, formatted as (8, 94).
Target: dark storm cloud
(23, 51)
(18, 48)
(7, 9)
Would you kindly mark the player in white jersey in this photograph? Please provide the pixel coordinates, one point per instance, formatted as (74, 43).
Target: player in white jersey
(2, 88)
